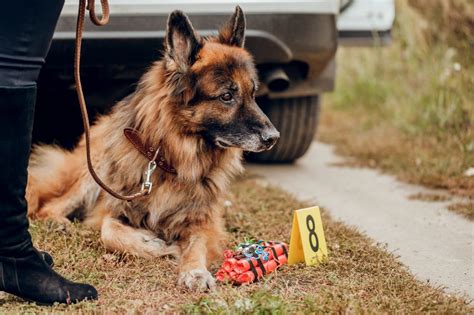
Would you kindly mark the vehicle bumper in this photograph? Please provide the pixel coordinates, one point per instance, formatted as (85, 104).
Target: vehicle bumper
(304, 45)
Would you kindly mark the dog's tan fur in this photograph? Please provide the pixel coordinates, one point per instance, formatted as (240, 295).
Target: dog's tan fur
(182, 215)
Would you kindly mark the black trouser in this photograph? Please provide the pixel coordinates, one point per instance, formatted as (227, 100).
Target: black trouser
(26, 30)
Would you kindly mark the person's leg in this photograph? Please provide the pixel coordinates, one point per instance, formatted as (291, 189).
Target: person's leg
(26, 29)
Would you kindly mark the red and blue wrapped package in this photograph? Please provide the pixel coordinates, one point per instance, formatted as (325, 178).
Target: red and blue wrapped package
(250, 262)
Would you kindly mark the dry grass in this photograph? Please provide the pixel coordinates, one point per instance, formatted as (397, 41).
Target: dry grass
(429, 197)
(359, 277)
(450, 21)
(465, 209)
(408, 108)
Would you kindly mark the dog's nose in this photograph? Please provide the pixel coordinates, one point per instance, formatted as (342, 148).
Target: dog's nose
(270, 137)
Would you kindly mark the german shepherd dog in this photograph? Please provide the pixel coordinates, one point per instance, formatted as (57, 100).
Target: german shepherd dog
(198, 105)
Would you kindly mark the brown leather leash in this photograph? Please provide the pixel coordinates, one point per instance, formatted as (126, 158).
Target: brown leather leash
(146, 182)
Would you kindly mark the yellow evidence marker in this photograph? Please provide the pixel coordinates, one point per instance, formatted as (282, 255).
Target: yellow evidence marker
(307, 242)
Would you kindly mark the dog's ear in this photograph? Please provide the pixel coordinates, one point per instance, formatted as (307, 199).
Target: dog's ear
(182, 42)
(233, 32)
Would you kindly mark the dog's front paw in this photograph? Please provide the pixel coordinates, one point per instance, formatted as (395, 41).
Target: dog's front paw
(197, 279)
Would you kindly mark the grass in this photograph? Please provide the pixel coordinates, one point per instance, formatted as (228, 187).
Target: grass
(465, 209)
(408, 108)
(429, 197)
(359, 277)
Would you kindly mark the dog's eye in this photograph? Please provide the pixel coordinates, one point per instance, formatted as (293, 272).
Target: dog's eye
(226, 97)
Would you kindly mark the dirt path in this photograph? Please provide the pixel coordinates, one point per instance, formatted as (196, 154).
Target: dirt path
(434, 243)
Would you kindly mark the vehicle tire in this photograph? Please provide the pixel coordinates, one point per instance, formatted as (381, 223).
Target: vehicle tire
(297, 119)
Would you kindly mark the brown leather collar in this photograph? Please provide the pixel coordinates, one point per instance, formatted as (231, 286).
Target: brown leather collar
(147, 150)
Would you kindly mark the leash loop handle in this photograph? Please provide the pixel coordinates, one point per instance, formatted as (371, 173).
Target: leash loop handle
(105, 12)
(89, 4)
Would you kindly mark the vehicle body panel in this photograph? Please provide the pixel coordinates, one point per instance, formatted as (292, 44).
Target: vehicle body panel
(164, 7)
(366, 21)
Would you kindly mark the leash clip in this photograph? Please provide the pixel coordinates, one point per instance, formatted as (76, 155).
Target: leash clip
(147, 184)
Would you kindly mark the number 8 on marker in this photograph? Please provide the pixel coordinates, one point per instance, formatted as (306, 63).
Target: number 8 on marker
(313, 237)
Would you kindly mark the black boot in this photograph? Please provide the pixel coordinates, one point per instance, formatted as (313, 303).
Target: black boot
(23, 270)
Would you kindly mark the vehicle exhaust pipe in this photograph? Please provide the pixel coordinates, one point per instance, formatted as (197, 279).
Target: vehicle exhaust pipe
(276, 79)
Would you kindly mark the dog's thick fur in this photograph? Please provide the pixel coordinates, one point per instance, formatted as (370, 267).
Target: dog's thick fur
(198, 105)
